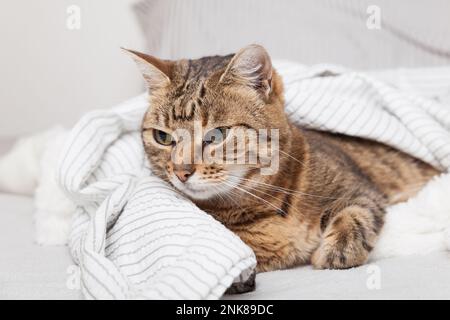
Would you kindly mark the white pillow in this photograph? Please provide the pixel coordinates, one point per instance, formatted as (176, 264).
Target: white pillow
(413, 32)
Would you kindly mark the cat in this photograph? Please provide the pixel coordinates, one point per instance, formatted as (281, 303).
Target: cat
(326, 203)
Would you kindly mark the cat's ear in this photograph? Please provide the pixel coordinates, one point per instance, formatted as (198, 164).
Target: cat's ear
(251, 66)
(156, 72)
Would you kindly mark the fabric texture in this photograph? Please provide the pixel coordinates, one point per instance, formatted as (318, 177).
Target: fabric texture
(358, 104)
(30, 271)
(135, 237)
(412, 33)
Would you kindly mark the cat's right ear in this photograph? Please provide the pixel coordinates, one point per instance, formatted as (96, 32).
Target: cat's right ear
(252, 67)
(156, 72)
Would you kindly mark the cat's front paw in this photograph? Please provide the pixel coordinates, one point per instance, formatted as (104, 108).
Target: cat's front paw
(346, 241)
(328, 256)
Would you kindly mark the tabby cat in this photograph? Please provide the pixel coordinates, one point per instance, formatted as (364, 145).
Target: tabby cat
(326, 203)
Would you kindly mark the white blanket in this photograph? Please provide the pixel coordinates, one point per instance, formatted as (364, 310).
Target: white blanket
(135, 237)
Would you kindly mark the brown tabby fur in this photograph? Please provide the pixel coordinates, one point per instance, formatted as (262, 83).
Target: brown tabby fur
(328, 199)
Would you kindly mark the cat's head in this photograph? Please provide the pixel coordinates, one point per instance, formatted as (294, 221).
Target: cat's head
(199, 131)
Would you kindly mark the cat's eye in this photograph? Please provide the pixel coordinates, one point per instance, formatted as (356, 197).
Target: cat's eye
(163, 137)
(215, 136)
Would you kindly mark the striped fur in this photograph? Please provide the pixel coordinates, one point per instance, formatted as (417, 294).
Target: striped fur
(325, 205)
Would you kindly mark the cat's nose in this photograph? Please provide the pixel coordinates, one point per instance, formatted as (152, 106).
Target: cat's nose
(184, 174)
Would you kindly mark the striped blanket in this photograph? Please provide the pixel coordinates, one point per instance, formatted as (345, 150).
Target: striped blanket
(133, 236)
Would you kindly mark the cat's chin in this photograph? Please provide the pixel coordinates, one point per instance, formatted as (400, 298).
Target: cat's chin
(201, 191)
(199, 194)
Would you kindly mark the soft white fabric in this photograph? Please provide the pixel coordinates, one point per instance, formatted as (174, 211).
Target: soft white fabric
(29, 271)
(357, 104)
(29, 168)
(133, 236)
(418, 226)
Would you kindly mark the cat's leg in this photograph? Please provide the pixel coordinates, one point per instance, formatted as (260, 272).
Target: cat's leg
(348, 237)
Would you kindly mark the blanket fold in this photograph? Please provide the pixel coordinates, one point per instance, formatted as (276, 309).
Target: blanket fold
(134, 236)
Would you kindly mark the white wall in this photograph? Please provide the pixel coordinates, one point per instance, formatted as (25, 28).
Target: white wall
(50, 74)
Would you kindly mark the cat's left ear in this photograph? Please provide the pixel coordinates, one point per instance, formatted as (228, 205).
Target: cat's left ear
(156, 72)
(251, 66)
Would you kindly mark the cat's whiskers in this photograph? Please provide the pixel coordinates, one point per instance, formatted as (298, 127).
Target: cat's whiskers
(232, 192)
(253, 195)
(291, 157)
(271, 187)
(273, 197)
(222, 194)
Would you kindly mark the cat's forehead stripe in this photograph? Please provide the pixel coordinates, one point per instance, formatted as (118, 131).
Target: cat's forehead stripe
(186, 98)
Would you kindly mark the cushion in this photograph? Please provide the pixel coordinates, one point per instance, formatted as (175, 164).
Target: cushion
(411, 33)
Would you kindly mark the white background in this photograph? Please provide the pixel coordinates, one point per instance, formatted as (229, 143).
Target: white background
(50, 75)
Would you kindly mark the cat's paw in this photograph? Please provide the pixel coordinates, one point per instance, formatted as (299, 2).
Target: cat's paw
(346, 241)
(330, 256)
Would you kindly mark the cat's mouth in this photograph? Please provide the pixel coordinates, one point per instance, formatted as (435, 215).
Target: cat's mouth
(201, 189)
